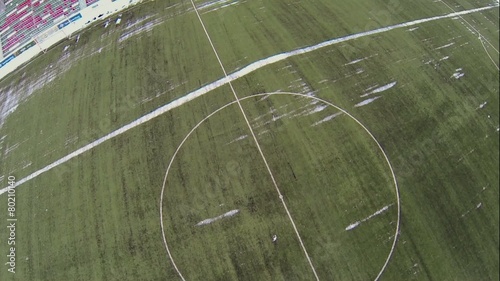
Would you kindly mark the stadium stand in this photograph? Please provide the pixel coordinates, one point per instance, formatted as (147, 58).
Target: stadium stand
(23, 20)
(2, 7)
(25, 24)
(2, 10)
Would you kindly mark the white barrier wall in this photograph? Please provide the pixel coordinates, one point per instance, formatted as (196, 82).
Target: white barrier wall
(95, 12)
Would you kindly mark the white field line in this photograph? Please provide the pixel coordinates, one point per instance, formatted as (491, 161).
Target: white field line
(479, 33)
(223, 81)
(480, 37)
(258, 145)
(489, 56)
(396, 187)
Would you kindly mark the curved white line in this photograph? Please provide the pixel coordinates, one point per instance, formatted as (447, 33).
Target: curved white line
(396, 235)
(240, 73)
(481, 37)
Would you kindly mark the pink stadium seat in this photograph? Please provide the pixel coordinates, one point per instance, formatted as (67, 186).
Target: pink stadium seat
(30, 17)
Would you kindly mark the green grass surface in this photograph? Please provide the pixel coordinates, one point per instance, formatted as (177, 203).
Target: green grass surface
(96, 217)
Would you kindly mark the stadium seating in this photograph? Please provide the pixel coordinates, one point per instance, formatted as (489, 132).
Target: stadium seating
(24, 19)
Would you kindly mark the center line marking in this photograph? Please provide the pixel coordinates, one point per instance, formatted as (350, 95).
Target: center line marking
(280, 196)
(223, 81)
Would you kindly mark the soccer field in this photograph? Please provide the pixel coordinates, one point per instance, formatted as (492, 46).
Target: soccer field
(344, 140)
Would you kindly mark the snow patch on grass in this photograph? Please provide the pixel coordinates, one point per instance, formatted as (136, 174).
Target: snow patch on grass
(356, 61)
(367, 101)
(445, 46)
(482, 105)
(357, 223)
(326, 119)
(380, 89)
(145, 28)
(238, 139)
(211, 220)
(458, 74)
(317, 109)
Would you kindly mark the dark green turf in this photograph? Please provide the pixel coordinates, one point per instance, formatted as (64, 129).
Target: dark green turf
(96, 217)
